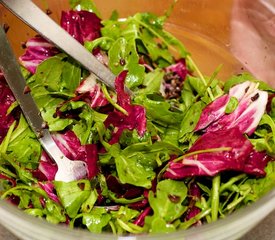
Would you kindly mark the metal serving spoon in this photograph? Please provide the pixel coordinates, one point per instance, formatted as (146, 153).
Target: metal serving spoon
(68, 170)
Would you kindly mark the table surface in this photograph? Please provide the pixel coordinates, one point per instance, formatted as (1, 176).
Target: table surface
(264, 231)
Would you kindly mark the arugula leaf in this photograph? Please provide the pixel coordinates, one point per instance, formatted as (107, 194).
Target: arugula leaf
(261, 186)
(21, 172)
(171, 136)
(189, 121)
(164, 116)
(158, 225)
(152, 82)
(123, 56)
(131, 171)
(123, 220)
(236, 79)
(83, 126)
(155, 24)
(72, 195)
(88, 205)
(231, 105)
(168, 202)
(96, 220)
(23, 145)
(55, 81)
(136, 163)
(59, 74)
(54, 212)
(265, 135)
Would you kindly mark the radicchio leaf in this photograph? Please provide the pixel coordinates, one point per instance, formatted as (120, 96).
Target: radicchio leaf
(82, 25)
(239, 156)
(141, 218)
(179, 69)
(91, 93)
(136, 117)
(6, 99)
(46, 170)
(127, 191)
(173, 79)
(70, 145)
(247, 115)
(48, 187)
(194, 194)
(37, 50)
(191, 213)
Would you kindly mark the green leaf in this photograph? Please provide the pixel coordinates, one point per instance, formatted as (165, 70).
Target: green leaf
(155, 24)
(96, 220)
(159, 225)
(82, 127)
(123, 220)
(132, 137)
(24, 146)
(88, 205)
(260, 186)
(189, 121)
(59, 74)
(53, 212)
(265, 135)
(164, 116)
(27, 195)
(136, 163)
(231, 105)
(133, 172)
(168, 200)
(123, 56)
(54, 82)
(236, 79)
(152, 82)
(22, 173)
(73, 194)
(171, 135)
(123, 201)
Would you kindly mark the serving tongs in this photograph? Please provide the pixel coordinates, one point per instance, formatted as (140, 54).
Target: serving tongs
(68, 170)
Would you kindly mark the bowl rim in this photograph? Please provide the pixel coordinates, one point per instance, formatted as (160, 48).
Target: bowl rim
(234, 225)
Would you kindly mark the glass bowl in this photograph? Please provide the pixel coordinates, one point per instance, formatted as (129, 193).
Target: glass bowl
(231, 33)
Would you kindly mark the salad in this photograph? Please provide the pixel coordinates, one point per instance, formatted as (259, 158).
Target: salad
(183, 150)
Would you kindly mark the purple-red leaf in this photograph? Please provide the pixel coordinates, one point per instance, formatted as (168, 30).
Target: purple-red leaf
(91, 93)
(218, 151)
(141, 218)
(82, 25)
(179, 68)
(136, 115)
(46, 170)
(174, 78)
(48, 187)
(251, 107)
(70, 145)
(37, 50)
(6, 99)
